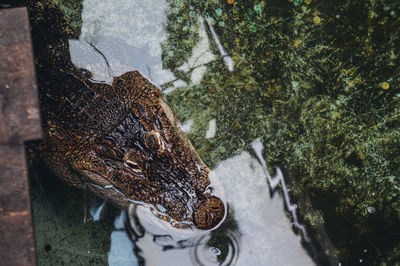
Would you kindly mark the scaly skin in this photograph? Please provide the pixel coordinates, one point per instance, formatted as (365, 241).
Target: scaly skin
(123, 141)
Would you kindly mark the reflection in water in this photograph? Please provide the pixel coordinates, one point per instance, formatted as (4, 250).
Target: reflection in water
(131, 38)
(221, 247)
(256, 232)
(227, 59)
(121, 246)
(95, 211)
(201, 55)
(266, 231)
(157, 243)
(128, 33)
(274, 183)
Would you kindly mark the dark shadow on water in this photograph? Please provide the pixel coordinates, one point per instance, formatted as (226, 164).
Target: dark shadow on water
(64, 230)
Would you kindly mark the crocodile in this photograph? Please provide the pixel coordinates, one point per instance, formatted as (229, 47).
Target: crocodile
(121, 139)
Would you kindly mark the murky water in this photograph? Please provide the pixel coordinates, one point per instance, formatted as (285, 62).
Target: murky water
(127, 35)
(262, 227)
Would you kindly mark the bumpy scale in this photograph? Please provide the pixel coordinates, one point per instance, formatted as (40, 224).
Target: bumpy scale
(123, 141)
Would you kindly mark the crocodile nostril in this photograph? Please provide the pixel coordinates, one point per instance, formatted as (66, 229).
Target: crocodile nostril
(121, 82)
(209, 213)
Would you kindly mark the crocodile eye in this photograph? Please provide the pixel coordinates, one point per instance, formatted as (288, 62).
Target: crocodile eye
(133, 166)
(132, 161)
(154, 141)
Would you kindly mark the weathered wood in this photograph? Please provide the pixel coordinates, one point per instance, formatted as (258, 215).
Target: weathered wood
(16, 230)
(19, 122)
(19, 113)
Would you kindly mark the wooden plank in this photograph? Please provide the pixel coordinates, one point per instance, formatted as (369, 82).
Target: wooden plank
(17, 246)
(19, 122)
(19, 113)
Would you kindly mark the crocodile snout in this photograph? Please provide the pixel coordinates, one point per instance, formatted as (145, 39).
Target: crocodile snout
(209, 213)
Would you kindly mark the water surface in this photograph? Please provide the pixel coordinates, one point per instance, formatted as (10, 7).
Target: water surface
(238, 74)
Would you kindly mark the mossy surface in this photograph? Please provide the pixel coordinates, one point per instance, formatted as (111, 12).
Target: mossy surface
(64, 230)
(309, 80)
(72, 9)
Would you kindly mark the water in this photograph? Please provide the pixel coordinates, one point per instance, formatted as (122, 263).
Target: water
(221, 84)
(258, 230)
(131, 39)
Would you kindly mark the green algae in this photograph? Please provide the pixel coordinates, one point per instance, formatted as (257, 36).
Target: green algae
(62, 236)
(310, 88)
(297, 2)
(72, 9)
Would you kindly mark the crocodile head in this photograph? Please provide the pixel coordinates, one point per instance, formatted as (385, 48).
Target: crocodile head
(146, 158)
